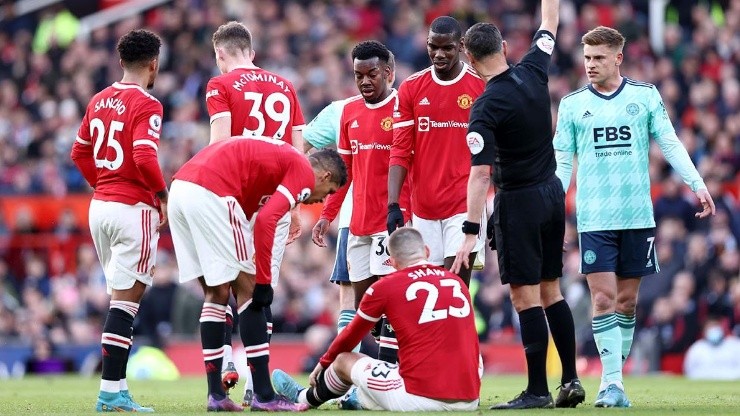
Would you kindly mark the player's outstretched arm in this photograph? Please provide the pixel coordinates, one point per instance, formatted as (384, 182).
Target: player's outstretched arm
(550, 16)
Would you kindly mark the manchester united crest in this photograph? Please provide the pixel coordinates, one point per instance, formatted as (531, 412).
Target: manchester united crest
(387, 123)
(465, 101)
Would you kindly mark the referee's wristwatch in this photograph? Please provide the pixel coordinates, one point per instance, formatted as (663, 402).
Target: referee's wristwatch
(472, 228)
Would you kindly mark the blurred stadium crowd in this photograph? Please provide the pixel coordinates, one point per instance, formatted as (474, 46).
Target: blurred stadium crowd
(48, 74)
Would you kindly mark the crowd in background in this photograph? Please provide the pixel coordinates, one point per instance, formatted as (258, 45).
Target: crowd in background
(46, 80)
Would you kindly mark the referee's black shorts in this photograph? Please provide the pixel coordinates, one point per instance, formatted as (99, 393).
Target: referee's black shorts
(529, 227)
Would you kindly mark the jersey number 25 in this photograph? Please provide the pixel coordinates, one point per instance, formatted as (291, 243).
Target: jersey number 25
(97, 131)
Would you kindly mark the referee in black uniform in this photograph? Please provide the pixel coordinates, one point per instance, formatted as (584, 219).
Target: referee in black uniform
(511, 130)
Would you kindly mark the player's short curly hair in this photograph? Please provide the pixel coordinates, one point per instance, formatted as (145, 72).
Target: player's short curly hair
(483, 40)
(330, 161)
(446, 25)
(602, 35)
(233, 36)
(371, 49)
(138, 47)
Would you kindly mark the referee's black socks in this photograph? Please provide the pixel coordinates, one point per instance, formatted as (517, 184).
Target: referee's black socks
(560, 318)
(534, 339)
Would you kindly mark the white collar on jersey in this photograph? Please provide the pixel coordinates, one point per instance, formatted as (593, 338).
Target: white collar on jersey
(122, 86)
(245, 67)
(419, 263)
(390, 96)
(452, 81)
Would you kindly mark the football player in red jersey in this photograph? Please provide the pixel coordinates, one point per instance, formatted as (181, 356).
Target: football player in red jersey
(116, 151)
(430, 307)
(248, 101)
(225, 205)
(365, 137)
(432, 120)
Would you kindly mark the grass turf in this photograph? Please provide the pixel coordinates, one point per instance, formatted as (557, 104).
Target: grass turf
(654, 395)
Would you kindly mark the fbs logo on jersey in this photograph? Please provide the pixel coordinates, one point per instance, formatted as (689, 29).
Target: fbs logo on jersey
(387, 123)
(465, 101)
(303, 195)
(475, 142)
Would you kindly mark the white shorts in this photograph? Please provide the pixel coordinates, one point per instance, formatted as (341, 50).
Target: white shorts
(444, 237)
(368, 256)
(211, 234)
(125, 238)
(386, 390)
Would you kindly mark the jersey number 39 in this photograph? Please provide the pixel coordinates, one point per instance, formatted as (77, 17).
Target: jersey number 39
(428, 313)
(276, 107)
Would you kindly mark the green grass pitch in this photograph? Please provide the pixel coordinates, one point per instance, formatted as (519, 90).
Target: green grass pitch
(654, 395)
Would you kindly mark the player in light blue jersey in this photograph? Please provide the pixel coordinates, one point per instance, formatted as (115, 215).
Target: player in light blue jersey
(321, 132)
(608, 124)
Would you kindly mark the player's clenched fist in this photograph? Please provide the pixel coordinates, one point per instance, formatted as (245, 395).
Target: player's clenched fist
(395, 218)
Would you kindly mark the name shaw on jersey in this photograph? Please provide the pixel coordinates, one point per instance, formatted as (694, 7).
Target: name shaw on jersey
(248, 77)
(426, 272)
(112, 103)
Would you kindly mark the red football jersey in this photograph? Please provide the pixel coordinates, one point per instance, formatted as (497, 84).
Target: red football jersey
(429, 140)
(431, 311)
(365, 137)
(116, 145)
(263, 175)
(260, 103)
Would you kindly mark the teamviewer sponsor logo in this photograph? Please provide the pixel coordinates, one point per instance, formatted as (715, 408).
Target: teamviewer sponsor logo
(425, 124)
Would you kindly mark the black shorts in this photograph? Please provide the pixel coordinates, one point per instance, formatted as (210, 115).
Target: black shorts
(529, 227)
(628, 253)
